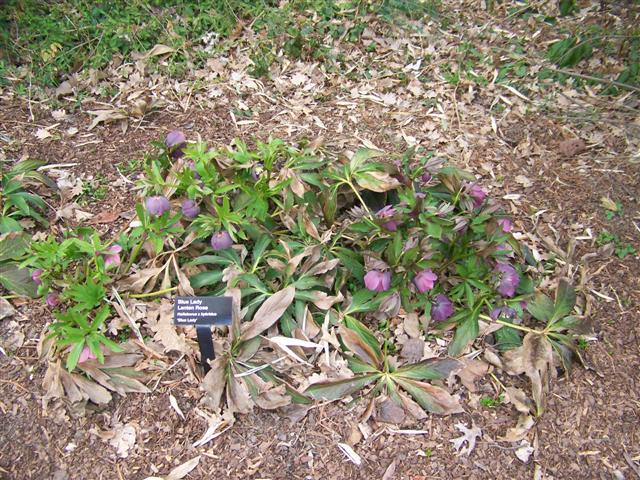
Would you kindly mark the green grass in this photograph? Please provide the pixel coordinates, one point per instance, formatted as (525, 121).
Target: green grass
(53, 39)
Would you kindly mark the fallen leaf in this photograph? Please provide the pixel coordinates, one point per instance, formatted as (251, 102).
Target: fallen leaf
(517, 433)
(6, 309)
(123, 440)
(108, 216)
(105, 116)
(412, 325)
(216, 425)
(472, 371)
(214, 382)
(469, 436)
(390, 471)
(524, 452)
(174, 404)
(524, 181)
(389, 411)
(413, 350)
(519, 400)
(158, 50)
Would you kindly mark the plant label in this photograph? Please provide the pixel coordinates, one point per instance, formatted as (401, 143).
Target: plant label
(192, 311)
(203, 313)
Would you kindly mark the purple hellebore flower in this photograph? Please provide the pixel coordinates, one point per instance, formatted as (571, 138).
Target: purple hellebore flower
(442, 308)
(505, 311)
(509, 279)
(388, 211)
(426, 177)
(425, 280)
(377, 281)
(478, 194)
(506, 224)
(35, 276)
(85, 355)
(112, 256)
(53, 299)
(157, 205)
(221, 240)
(175, 138)
(190, 209)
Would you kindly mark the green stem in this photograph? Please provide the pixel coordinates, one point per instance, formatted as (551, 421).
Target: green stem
(153, 294)
(355, 190)
(8, 297)
(513, 325)
(136, 251)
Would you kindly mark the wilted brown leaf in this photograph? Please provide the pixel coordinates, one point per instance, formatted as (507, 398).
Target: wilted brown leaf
(108, 216)
(358, 346)
(214, 382)
(142, 281)
(238, 398)
(472, 371)
(268, 313)
(520, 431)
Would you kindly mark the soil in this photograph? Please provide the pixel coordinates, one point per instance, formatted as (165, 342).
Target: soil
(589, 430)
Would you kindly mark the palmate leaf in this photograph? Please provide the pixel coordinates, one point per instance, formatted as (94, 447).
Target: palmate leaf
(340, 388)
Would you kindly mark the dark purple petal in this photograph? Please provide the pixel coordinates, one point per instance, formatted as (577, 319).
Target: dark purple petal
(425, 280)
(386, 212)
(35, 276)
(221, 240)
(478, 194)
(157, 205)
(53, 299)
(190, 209)
(509, 280)
(175, 138)
(442, 308)
(504, 312)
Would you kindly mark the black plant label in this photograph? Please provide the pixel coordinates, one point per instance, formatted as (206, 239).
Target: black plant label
(202, 311)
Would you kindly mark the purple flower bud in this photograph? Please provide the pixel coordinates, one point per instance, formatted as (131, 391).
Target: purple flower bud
(506, 224)
(425, 280)
(386, 212)
(426, 177)
(221, 240)
(509, 280)
(174, 139)
(112, 256)
(478, 194)
(53, 299)
(442, 308)
(35, 276)
(190, 209)
(377, 281)
(157, 205)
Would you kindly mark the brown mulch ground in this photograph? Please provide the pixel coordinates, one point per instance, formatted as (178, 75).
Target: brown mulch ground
(589, 430)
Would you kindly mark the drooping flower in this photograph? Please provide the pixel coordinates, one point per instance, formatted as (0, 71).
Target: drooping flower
(157, 205)
(442, 308)
(192, 167)
(504, 311)
(426, 177)
(506, 224)
(174, 139)
(478, 194)
(377, 281)
(386, 212)
(509, 280)
(85, 355)
(53, 299)
(425, 280)
(221, 240)
(112, 256)
(190, 209)
(35, 276)
(389, 307)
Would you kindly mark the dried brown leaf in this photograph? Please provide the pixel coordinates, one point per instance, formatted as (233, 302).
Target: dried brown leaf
(269, 313)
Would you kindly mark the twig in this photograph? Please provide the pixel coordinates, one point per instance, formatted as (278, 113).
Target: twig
(626, 86)
(153, 294)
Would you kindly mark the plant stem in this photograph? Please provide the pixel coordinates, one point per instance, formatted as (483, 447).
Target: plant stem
(355, 190)
(136, 251)
(8, 297)
(153, 294)
(513, 325)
